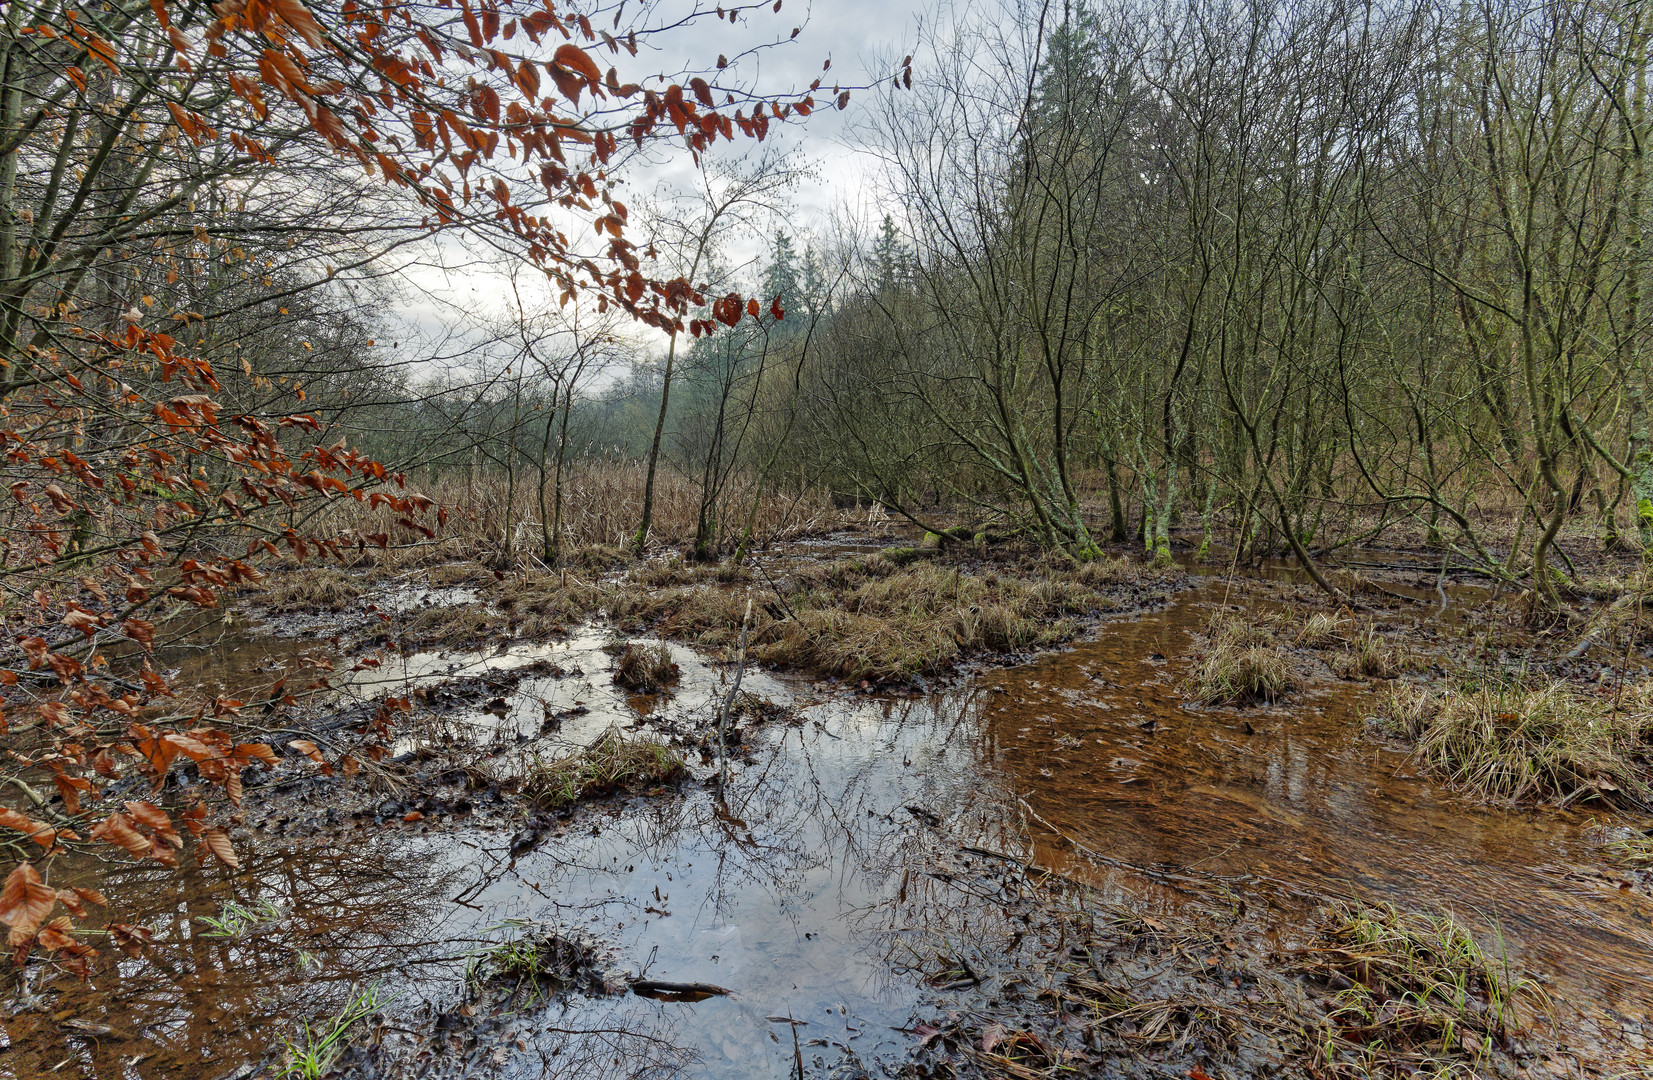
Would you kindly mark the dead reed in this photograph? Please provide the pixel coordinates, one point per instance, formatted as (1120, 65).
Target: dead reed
(317, 587)
(1370, 654)
(645, 669)
(1413, 994)
(602, 504)
(878, 619)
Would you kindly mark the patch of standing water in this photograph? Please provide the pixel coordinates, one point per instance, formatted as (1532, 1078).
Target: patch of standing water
(831, 873)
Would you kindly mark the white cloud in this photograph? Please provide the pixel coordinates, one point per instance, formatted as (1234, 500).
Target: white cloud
(454, 284)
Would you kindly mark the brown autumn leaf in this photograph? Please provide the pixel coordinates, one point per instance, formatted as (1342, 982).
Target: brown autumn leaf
(255, 752)
(141, 631)
(412, 815)
(39, 832)
(574, 58)
(130, 939)
(309, 750)
(192, 748)
(120, 830)
(85, 622)
(157, 819)
(218, 842)
(55, 938)
(25, 901)
(91, 896)
(35, 649)
(69, 788)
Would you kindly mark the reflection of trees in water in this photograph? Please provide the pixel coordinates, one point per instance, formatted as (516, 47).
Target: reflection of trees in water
(346, 914)
(815, 824)
(612, 1038)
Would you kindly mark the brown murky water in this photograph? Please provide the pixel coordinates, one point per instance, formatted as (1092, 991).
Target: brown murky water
(833, 873)
(1281, 802)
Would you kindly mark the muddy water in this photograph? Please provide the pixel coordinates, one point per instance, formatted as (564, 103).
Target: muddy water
(836, 868)
(1278, 803)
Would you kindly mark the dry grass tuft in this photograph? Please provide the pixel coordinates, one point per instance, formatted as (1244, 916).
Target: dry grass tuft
(555, 598)
(674, 571)
(1625, 845)
(317, 587)
(1371, 655)
(874, 618)
(645, 669)
(531, 607)
(459, 626)
(1324, 630)
(594, 558)
(1628, 620)
(1241, 665)
(613, 763)
(1414, 994)
(1517, 744)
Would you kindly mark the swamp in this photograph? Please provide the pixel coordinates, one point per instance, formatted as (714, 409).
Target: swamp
(990, 540)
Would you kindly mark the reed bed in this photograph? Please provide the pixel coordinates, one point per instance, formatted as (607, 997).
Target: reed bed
(602, 505)
(1241, 665)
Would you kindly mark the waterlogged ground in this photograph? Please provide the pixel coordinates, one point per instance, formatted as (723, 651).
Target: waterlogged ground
(864, 844)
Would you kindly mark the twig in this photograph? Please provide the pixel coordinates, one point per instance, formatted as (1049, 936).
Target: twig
(778, 594)
(728, 703)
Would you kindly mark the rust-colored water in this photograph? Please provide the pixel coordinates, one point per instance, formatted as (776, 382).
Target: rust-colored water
(1281, 801)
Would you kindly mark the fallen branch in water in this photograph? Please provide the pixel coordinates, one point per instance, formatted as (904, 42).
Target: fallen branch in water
(692, 991)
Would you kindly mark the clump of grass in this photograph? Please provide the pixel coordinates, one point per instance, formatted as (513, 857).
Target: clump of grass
(610, 764)
(1241, 665)
(313, 1054)
(1371, 655)
(873, 618)
(460, 624)
(532, 966)
(1515, 743)
(235, 919)
(1627, 846)
(594, 558)
(1628, 619)
(675, 571)
(532, 606)
(1324, 630)
(645, 669)
(313, 588)
(553, 598)
(1413, 992)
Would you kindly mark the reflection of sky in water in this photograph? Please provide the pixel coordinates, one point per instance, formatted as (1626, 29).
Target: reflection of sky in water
(818, 891)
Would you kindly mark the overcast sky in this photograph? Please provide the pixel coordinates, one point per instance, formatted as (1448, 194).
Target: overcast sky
(862, 38)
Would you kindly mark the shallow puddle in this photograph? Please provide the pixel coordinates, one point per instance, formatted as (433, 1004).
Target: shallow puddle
(851, 849)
